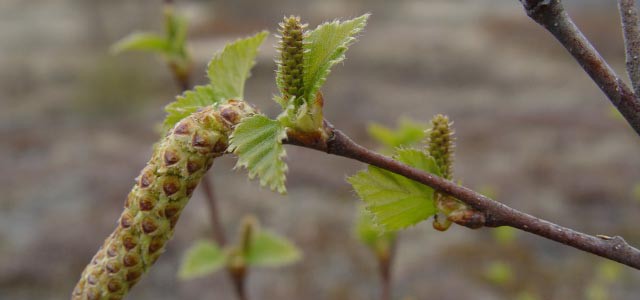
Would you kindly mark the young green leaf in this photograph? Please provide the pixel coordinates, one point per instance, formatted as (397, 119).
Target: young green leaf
(407, 134)
(324, 47)
(395, 201)
(257, 141)
(141, 41)
(188, 103)
(176, 31)
(204, 257)
(268, 249)
(229, 69)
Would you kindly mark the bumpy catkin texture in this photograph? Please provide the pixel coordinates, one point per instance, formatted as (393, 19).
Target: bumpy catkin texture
(153, 206)
(290, 65)
(441, 147)
(441, 144)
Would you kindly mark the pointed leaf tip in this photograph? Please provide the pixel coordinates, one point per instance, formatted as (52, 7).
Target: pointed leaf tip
(325, 46)
(229, 69)
(203, 258)
(271, 250)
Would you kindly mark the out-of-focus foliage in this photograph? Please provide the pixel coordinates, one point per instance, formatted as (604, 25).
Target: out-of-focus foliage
(204, 257)
(407, 133)
(255, 247)
(171, 46)
(268, 249)
(498, 273)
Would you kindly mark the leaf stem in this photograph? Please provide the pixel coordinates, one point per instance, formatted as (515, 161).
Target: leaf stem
(494, 213)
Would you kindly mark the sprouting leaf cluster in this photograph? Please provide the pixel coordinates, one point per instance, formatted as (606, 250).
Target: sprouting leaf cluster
(305, 59)
(395, 201)
(255, 247)
(171, 46)
(407, 134)
(227, 72)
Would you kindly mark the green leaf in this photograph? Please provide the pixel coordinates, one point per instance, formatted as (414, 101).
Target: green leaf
(203, 258)
(188, 103)
(148, 42)
(176, 31)
(395, 201)
(324, 47)
(408, 133)
(268, 249)
(257, 141)
(229, 69)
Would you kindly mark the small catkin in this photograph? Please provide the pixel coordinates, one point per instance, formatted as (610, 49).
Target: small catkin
(441, 144)
(153, 206)
(290, 64)
(441, 147)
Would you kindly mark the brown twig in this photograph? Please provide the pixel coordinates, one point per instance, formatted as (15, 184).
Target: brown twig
(494, 213)
(552, 16)
(631, 30)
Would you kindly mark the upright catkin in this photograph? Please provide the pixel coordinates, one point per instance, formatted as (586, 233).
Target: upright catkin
(441, 144)
(153, 206)
(290, 65)
(441, 147)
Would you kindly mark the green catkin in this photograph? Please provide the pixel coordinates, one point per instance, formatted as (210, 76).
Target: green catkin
(441, 144)
(290, 64)
(441, 147)
(153, 206)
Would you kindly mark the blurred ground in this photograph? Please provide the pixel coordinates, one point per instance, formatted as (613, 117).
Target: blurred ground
(77, 124)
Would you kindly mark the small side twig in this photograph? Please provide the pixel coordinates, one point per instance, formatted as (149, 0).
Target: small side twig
(552, 16)
(494, 213)
(214, 214)
(385, 264)
(631, 33)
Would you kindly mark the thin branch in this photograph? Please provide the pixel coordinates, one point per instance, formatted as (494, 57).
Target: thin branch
(631, 30)
(384, 264)
(552, 16)
(218, 233)
(239, 285)
(494, 213)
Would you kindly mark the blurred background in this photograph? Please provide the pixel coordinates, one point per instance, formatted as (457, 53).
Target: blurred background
(77, 124)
